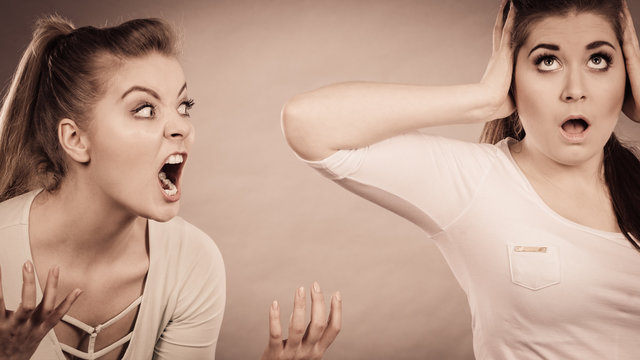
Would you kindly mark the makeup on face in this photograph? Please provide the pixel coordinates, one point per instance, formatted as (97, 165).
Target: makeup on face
(141, 137)
(569, 86)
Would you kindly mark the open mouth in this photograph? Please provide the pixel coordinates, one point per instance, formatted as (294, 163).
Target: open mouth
(575, 126)
(169, 175)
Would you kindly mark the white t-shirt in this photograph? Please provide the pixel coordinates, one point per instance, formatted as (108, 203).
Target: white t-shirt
(539, 285)
(183, 298)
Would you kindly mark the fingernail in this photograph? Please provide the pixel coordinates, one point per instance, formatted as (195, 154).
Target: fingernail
(301, 291)
(28, 266)
(316, 287)
(338, 297)
(274, 305)
(55, 271)
(78, 292)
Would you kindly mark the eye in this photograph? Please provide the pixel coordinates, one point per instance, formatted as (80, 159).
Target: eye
(145, 110)
(547, 63)
(599, 62)
(185, 106)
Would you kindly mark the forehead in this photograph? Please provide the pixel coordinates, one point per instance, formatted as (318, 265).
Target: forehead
(573, 29)
(158, 72)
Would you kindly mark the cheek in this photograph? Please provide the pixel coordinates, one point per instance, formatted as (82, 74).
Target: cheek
(533, 95)
(610, 92)
(130, 149)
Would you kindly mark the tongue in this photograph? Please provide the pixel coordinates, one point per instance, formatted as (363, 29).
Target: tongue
(573, 126)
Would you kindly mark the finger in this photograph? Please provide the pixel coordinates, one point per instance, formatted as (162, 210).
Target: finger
(335, 322)
(630, 35)
(49, 297)
(3, 310)
(318, 315)
(497, 27)
(28, 304)
(275, 328)
(62, 309)
(296, 325)
(507, 29)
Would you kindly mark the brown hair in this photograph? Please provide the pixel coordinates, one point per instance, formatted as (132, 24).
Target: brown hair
(61, 75)
(621, 165)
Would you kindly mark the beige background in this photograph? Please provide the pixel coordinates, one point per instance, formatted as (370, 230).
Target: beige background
(278, 224)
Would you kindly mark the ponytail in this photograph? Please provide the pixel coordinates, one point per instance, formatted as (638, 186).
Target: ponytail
(19, 162)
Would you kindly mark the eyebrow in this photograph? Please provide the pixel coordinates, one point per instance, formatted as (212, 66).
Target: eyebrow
(182, 89)
(149, 91)
(591, 46)
(143, 89)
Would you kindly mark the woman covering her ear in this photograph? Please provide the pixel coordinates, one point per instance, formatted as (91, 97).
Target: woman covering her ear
(94, 139)
(540, 224)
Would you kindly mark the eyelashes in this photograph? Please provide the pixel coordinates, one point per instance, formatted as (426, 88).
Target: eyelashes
(600, 61)
(145, 110)
(148, 110)
(185, 106)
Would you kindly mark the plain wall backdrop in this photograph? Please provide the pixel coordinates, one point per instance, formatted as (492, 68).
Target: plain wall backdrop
(278, 224)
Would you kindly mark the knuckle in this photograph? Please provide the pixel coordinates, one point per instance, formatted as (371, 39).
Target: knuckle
(319, 326)
(297, 331)
(336, 328)
(275, 335)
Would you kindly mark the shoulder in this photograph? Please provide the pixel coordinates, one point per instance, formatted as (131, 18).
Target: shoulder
(15, 211)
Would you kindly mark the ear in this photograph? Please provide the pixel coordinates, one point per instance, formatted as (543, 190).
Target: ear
(73, 141)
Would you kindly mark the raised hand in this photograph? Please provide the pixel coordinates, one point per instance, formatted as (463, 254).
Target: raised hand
(631, 51)
(22, 330)
(309, 344)
(497, 76)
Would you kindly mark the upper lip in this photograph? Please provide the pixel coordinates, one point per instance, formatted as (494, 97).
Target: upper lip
(576, 116)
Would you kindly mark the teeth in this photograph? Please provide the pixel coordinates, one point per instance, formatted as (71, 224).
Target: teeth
(172, 189)
(174, 159)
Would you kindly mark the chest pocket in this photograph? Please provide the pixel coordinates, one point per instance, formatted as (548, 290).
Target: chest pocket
(534, 267)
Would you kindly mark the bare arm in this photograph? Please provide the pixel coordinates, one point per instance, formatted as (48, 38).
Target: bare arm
(353, 115)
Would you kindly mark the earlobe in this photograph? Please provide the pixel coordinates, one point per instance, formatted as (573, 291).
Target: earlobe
(74, 143)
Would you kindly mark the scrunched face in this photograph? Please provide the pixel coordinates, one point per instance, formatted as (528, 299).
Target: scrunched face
(139, 137)
(569, 86)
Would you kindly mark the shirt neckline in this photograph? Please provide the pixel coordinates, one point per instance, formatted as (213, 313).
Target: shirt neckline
(503, 145)
(39, 294)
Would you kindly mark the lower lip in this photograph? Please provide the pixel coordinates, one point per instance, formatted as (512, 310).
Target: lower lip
(171, 198)
(575, 138)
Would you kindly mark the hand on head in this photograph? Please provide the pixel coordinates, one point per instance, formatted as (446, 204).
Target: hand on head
(631, 51)
(22, 330)
(497, 76)
(319, 334)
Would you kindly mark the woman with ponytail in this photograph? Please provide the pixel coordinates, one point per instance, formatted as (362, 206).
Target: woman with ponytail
(539, 223)
(94, 135)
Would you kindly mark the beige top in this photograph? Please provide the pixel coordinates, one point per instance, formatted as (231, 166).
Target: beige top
(183, 300)
(539, 285)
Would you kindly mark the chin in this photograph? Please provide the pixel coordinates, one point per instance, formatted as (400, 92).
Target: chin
(163, 213)
(576, 155)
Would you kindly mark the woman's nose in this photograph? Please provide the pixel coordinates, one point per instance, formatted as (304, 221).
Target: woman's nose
(574, 89)
(178, 127)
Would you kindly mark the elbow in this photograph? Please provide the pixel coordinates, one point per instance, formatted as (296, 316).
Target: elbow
(296, 125)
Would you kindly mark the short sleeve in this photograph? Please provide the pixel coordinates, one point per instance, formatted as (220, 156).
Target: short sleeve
(192, 332)
(427, 179)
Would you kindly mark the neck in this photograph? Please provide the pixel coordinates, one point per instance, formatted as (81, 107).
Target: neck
(536, 163)
(80, 223)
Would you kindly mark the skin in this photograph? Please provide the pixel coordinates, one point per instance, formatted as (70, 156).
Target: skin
(112, 185)
(567, 177)
(571, 81)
